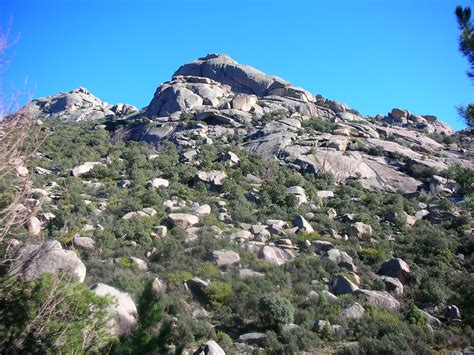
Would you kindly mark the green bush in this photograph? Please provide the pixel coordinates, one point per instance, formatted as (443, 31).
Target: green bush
(275, 310)
(51, 315)
(218, 293)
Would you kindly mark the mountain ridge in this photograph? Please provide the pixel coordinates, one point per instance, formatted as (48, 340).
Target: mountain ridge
(272, 118)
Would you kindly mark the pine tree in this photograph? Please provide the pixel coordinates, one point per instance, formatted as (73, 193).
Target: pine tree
(466, 46)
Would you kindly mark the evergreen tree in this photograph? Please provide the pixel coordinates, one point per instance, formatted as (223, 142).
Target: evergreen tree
(466, 46)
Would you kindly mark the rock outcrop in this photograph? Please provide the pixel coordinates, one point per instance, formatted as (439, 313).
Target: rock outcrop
(76, 105)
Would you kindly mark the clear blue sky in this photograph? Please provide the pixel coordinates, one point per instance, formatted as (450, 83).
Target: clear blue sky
(372, 54)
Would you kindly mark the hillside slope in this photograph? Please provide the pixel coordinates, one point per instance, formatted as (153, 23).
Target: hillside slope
(237, 213)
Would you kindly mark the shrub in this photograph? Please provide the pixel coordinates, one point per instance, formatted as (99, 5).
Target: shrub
(178, 277)
(218, 292)
(319, 125)
(50, 314)
(275, 310)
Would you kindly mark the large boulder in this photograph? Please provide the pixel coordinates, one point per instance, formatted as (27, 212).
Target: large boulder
(49, 257)
(172, 97)
(381, 299)
(244, 102)
(342, 285)
(84, 243)
(276, 256)
(393, 285)
(360, 230)
(214, 177)
(299, 193)
(210, 347)
(159, 183)
(183, 220)
(252, 338)
(85, 168)
(353, 311)
(342, 259)
(397, 268)
(123, 310)
(302, 224)
(225, 258)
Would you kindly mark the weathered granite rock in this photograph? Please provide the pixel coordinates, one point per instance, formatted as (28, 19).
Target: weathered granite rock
(123, 310)
(299, 193)
(353, 311)
(183, 220)
(76, 105)
(342, 285)
(159, 183)
(276, 256)
(397, 268)
(85, 243)
(360, 230)
(209, 347)
(302, 224)
(49, 257)
(381, 299)
(85, 168)
(215, 177)
(225, 258)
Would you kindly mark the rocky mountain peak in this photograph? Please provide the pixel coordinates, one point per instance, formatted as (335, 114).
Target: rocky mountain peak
(214, 98)
(241, 78)
(76, 105)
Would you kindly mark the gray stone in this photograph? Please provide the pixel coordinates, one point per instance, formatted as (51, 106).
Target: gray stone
(381, 299)
(123, 309)
(342, 285)
(183, 220)
(34, 260)
(322, 246)
(393, 285)
(160, 231)
(202, 210)
(84, 243)
(85, 168)
(214, 177)
(353, 311)
(210, 347)
(241, 235)
(76, 105)
(302, 224)
(276, 256)
(452, 312)
(396, 267)
(252, 338)
(159, 183)
(139, 263)
(158, 286)
(34, 226)
(360, 230)
(342, 259)
(241, 78)
(226, 258)
(245, 273)
(299, 192)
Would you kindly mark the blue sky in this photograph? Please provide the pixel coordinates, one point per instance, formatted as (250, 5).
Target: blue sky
(372, 54)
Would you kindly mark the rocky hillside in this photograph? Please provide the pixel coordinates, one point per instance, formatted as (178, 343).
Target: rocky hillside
(239, 214)
(217, 99)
